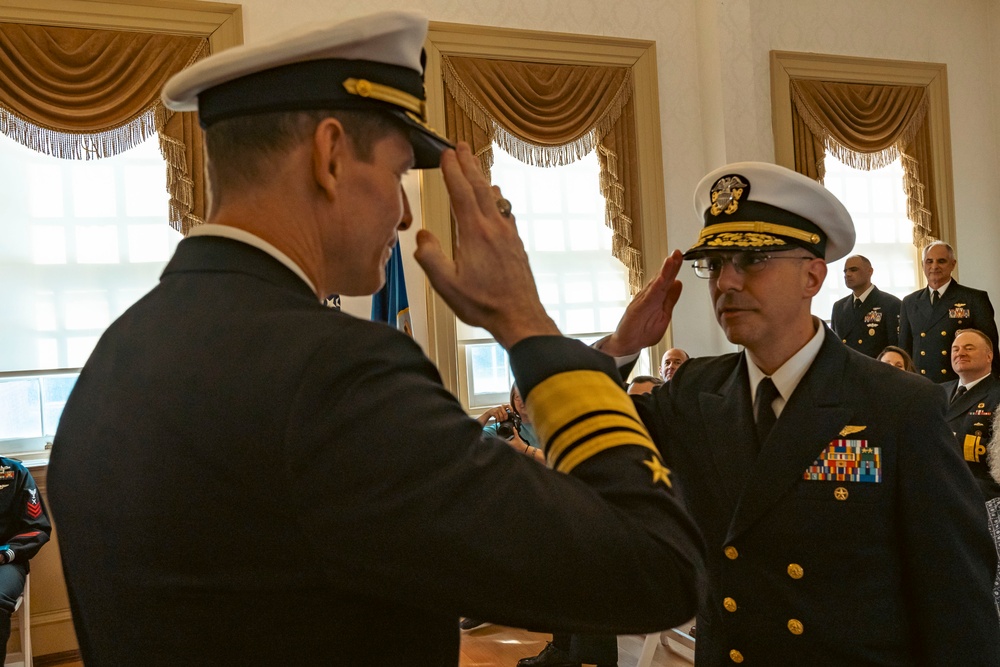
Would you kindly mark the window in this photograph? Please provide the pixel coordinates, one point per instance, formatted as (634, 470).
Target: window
(877, 204)
(560, 218)
(79, 245)
(444, 346)
(80, 241)
(786, 66)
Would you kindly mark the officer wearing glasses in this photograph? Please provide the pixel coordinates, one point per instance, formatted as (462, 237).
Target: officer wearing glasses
(842, 525)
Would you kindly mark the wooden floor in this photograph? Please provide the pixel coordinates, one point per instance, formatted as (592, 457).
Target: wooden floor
(499, 646)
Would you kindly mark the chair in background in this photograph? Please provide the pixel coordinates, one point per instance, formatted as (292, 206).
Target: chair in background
(22, 610)
(677, 641)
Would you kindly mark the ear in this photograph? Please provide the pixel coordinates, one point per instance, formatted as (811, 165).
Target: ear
(328, 154)
(815, 275)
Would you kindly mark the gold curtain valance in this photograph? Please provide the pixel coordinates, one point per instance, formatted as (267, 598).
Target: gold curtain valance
(868, 127)
(551, 115)
(75, 93)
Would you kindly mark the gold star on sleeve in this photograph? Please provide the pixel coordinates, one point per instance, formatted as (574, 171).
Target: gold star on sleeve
(660, 471)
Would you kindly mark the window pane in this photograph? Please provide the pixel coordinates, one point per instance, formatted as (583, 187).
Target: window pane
(20, 409)
(76, 249)
(560, 217)
(55, 391)
(877, 203)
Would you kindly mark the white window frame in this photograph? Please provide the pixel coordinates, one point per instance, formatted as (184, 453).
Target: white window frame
(535, 46)
(786, 65)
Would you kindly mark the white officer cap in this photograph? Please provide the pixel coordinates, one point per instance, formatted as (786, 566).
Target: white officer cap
(761, 206)
(372, 63)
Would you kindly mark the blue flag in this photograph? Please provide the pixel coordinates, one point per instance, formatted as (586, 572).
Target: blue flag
(390, 304)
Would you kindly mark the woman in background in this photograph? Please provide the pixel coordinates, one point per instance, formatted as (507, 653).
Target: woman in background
(898, 357)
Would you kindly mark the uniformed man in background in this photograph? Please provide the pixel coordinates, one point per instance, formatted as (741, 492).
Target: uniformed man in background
(842, 526)
(243, 476)
(931, 316)
(867, 319)
(671, 361)
(973, 398)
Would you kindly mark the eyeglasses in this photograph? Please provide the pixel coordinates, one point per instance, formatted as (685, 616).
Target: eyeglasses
(743, 262)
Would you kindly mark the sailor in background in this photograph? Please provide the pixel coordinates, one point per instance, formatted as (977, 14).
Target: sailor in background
(930, 317)
(972, 399)
(867, 319)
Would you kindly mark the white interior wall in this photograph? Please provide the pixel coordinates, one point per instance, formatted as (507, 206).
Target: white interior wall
(712, 57)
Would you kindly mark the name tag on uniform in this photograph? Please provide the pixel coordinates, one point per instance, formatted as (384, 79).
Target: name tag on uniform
(847, 461)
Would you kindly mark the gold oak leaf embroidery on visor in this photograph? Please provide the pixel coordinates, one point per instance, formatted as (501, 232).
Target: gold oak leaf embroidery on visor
(745, 240)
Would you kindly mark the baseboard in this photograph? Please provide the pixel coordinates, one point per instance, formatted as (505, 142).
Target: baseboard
(61, 658)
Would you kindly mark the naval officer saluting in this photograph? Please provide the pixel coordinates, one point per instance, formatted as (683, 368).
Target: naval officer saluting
(842, 525)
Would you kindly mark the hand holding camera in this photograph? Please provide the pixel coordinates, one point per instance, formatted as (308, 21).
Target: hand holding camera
(510, 426)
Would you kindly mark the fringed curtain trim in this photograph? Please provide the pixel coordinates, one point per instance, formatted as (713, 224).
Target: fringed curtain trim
(916, 210)
(82, 94)
(866, 127)
(551, 115)
(82, 145)
(532, 144)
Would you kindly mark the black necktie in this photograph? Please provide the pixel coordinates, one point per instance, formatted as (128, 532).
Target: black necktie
(763, 410)
(934, 297)
(857, 303)
(958, 393)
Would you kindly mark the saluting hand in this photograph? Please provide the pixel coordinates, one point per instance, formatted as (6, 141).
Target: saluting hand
(647, 316)
(488, 283)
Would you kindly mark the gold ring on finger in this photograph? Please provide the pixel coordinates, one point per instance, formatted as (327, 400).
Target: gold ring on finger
(503, 205)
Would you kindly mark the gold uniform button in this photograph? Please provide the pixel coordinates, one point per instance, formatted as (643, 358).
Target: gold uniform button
(795, 571)
(922, 353)
(736, 656)
(843, 340)
(732, 553)
(795, 626)
(923, 335)
(923, 372)
(840, 493)
(860, 341)
(944, 333)
(944, 371)
(944, 352)
(729, 604)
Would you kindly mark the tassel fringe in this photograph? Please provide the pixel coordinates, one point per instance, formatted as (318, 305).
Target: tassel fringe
(530, 152)
(111, 142)
(916, 210)
(557, 156)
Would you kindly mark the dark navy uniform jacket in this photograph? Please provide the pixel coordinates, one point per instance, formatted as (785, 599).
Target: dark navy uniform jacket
(890, 564)
(871, 327)
(927, 332)
(242, 476)
(24, 526)
(971, 418)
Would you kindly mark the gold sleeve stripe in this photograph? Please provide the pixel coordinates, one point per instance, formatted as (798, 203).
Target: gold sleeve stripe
(587, 426)
(584, 410)
(584, 450)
